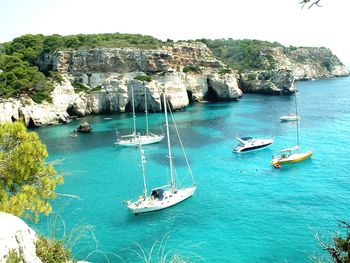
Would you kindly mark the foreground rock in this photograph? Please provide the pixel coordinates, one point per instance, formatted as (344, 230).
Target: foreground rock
(16, 235)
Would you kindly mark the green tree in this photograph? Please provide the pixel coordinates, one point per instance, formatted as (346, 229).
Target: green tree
(19, 77)
(30, 46)
(339, 249)
(27, 183)
(71, 42)
(53, 43)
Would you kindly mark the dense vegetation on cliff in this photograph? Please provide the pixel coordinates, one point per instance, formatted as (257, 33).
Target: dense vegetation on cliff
(20, 77)
(247, 55)
(18, 59)
(242, 54)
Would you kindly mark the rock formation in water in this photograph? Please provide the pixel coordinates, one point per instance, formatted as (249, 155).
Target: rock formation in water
(273, 82)
(84, 127)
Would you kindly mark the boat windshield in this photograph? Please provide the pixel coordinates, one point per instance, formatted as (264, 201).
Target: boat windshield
(158, 193)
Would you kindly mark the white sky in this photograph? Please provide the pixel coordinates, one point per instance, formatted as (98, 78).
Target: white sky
(273, 20)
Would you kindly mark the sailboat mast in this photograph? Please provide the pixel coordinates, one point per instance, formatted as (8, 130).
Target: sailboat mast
(168, 139)
(297, 116)
(146, 110)
(143, 161)
(133, 110)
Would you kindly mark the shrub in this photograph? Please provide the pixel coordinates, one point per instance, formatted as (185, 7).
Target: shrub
(52, 251)
(251, 76)
(225, 71)
(13, 257)
(78, 86)
(143, 78)
(192, 68)
(56, 76)
(40, 96)
(96, 89)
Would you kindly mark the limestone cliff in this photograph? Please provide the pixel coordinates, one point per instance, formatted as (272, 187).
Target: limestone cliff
(269, 68)
(100, 80)
(188, 71)
(304, 62)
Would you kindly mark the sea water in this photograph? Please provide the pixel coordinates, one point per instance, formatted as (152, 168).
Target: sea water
(244, 210)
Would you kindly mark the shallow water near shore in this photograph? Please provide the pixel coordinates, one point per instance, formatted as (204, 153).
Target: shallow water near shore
(244, 210)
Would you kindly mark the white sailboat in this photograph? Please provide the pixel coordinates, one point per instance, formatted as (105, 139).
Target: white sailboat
(133, 139)
(293, 154)
(163, 196)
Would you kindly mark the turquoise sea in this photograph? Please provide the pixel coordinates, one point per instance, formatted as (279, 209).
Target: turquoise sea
(244, 210)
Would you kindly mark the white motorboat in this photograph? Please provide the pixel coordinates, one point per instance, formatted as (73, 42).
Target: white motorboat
(289, 117)
(134, 138)
(168, 195)
(249, 144)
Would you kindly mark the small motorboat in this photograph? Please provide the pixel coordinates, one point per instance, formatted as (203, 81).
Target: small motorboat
(289, 117)
(249, 143)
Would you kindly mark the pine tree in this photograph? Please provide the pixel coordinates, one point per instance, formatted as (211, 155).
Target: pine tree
(27, 183)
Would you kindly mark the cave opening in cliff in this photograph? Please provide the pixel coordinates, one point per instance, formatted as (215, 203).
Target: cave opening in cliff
(31, 123)
(190, 96)
(71, 111)
(128, 106)
(170, 106)
(211, 94)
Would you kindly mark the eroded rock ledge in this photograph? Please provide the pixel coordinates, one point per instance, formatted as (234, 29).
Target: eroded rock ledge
(188, 71)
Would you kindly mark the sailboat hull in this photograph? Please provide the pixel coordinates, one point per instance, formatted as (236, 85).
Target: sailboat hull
(289, 118)
(144, 139)
(290, 159)
(169, 199)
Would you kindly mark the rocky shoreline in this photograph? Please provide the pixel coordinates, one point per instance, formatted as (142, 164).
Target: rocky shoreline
(188, 71)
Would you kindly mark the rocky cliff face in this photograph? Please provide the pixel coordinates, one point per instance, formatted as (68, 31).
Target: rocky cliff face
(304, 63)
(109, 76)
(188, 71)
(287, 65)
(273, 82)
(125, 60)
